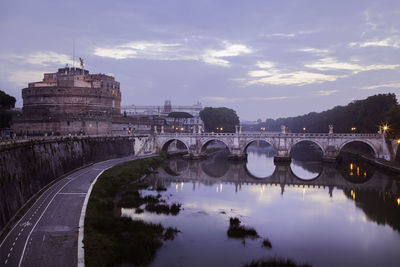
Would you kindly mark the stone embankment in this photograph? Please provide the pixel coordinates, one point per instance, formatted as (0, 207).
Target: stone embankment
(28, 166)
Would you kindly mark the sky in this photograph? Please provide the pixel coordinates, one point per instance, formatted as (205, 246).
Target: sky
(264, 59)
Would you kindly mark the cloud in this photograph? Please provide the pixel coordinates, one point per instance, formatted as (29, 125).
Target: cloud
(44, 58)
(230, 50)
(22, 78)
(385, 85)
(315, 51)
(269, 74)
(325, 92)
(173, 51)
(393, 42)
(284, 34)
(222, 99)
(327, 64)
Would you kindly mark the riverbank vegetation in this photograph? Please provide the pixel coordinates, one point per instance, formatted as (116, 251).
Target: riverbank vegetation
(239, 231)
(111, 239)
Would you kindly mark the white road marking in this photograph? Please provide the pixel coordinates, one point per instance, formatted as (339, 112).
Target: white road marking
(71, 193)
(37, 201)
(33, 228)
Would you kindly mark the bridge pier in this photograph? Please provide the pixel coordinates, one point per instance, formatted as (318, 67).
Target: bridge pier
(237, 154)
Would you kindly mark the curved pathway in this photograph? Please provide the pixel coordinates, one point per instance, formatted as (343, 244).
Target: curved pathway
(47, 235)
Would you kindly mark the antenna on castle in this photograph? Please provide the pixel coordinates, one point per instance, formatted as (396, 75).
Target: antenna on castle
(73, 53)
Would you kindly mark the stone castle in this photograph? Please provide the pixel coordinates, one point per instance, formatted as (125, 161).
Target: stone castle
(70, 101)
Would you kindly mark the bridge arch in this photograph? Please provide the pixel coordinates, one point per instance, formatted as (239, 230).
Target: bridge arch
(307, 140)
(248, 143)
(209, 140)
(367, 142)
(165, 145)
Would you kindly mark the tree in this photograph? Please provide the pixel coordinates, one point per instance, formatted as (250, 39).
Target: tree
(361, 116)
(6, 102)
(219, 119)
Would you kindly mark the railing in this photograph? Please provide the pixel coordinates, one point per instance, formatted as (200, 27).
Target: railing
(20, 140)
(275, 134)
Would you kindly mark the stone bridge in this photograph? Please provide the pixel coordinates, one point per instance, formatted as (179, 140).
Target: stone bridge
(330, 143)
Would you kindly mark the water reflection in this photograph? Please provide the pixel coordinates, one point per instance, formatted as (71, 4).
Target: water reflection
(306, 170)
(355, 170)
(260, 160)
(305, 220)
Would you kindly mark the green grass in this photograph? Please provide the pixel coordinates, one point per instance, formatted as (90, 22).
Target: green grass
(112, 240)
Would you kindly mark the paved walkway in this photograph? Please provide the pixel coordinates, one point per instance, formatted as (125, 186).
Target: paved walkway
(47, 235)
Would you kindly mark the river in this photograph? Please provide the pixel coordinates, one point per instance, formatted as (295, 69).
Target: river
(345, 214)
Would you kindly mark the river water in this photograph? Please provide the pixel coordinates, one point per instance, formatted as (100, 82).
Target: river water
(346, 214)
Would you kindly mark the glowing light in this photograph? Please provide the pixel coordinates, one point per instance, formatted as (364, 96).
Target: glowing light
(398, 141)
(304, 128)
(353, 194)
(222, 129)
(358, 171)
(351, 166)
(353, 128)
(365, 173)
(398, 201)
(220, 188)
(385, 127)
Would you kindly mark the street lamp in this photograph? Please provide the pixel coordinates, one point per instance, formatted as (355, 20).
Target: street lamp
(353, 129)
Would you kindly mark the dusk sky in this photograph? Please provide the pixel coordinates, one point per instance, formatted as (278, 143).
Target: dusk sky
(265, 59)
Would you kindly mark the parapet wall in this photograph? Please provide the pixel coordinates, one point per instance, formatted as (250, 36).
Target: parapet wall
(26, 167)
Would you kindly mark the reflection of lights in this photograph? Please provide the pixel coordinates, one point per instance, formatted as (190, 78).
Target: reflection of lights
(304, 192)
(220, 188)
(351, 173)
(351, 166)
(217, 189)
(181, 186)
(365, 173)
(353, 194)
(358, 171)
(176, 187)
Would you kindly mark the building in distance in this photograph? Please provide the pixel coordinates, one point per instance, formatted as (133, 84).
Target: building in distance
(171, 124)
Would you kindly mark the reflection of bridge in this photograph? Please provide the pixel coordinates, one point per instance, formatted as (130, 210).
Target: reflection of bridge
(195, 171)
(330, 143)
